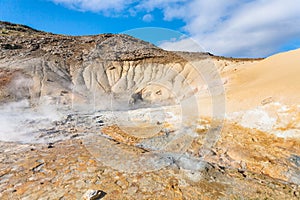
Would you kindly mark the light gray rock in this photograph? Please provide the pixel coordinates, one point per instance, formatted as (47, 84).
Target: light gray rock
(92, 195)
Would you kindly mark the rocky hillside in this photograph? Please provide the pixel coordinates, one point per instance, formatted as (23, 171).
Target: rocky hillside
(36, 64)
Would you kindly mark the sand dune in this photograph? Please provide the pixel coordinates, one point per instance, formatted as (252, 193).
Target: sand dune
(273, 79)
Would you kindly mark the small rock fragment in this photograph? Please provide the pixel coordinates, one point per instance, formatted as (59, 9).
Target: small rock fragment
(50, 145)
(92, 195)
(267, 101)
(38, 168)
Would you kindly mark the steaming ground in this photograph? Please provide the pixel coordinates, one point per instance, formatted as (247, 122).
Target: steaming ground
(137, 139)
(150, 140)
(21, 123)
(146, 148)
(161, 137)
(45, 121)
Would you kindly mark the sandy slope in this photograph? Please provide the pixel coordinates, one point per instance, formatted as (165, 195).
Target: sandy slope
(273, 79)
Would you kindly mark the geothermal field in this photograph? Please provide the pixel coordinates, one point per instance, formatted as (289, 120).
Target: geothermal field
(113, 117)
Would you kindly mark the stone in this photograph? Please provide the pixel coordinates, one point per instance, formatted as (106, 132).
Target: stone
(92, 195)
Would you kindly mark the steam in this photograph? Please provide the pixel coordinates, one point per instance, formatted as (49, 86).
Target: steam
(20, 86)
(19, 122)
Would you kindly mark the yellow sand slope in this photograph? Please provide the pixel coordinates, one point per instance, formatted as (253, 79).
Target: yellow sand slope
(276, 78)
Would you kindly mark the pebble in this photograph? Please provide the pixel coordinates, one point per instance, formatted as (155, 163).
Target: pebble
(92, 194)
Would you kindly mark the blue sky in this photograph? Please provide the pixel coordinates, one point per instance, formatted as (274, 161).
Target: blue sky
(236, 28)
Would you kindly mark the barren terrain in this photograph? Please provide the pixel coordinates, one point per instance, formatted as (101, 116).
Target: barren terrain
(128, 120)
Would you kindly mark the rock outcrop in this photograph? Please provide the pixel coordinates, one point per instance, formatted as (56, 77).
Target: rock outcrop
(88, 68)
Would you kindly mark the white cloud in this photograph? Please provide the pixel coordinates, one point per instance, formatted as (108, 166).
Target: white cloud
(182, 44)
(148, 18)
(107, 7)
(225, 27)
(252, 29)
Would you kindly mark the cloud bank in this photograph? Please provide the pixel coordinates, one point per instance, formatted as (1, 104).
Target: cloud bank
(248, 28)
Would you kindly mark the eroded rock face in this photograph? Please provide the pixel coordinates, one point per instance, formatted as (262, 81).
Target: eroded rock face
(92, 68)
